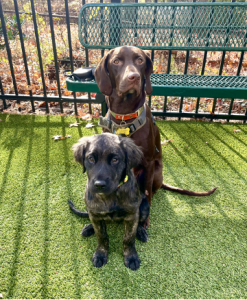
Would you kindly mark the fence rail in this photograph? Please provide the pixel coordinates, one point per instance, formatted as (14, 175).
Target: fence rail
(60, 97)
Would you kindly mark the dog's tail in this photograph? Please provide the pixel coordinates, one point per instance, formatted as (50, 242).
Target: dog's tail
(186, 192)
(78, 212)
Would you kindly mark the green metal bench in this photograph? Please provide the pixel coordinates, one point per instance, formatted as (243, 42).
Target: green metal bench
(171, 26)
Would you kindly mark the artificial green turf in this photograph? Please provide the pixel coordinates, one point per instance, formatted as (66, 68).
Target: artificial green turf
(197, 247)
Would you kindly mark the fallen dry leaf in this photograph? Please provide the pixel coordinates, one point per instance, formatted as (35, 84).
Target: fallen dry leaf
(56, 137)
(74, 124)
(210, 107)
(42, 104)
(190, 107)
(87, 117)
(59, 137)
(89, 125)
(82, 112)
(165, 142)
(96, 115)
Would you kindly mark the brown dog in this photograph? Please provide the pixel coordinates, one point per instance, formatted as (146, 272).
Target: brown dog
(123, 74)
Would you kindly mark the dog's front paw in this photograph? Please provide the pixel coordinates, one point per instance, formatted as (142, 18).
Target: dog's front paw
(132, 262)
(141, 234)
(87, 230)
(99, 259)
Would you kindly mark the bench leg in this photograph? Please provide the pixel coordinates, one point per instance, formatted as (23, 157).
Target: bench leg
(100, 98)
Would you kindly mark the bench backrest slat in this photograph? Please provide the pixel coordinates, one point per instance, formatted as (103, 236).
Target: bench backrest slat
(177, 26)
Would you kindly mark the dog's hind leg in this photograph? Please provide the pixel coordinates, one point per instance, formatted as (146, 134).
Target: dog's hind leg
(141, 233)
(87, 230)
(144, 209)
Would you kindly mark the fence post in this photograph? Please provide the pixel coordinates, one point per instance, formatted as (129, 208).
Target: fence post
(23, 52)
(39, 53)
(8, 49)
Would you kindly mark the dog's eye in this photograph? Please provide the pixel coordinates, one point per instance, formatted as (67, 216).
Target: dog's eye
(91, 159)
(140, 60)
(114, 160)
(116, 61)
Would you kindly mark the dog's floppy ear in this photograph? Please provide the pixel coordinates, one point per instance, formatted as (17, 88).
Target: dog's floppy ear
(148, 72)
(80, 150)
(133, 153)
(102, 76)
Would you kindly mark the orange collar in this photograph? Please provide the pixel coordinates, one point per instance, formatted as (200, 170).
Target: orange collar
(127, 116)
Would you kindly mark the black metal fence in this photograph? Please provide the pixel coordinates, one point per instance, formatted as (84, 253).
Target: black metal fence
(37, 74)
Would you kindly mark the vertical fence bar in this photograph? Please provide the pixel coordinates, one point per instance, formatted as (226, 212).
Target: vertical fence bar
(170, 52)
(87, 65)
(2, 92)
(23, 51)
(8, 49)
(102, 30)
(39, 52)
(70, 48)
(55, 53)
(153, 39)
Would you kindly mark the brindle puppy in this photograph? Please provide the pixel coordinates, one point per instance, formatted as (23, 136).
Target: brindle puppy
(112, 193)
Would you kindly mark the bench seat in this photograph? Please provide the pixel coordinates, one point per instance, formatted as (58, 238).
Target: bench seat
(191, 26)
(183, 86)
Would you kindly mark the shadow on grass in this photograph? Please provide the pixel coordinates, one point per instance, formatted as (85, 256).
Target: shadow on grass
(45, 278)
(214, 134)
(5, 175)
(233, 134)
(207, 161)
(19, 212)
(177, 239)
(67, 160)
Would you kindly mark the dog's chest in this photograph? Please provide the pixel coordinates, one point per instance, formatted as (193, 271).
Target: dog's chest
(115, 214)
(109, 209)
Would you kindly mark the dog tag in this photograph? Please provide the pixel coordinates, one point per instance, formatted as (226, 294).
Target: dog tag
(125, 131)
(125, 180)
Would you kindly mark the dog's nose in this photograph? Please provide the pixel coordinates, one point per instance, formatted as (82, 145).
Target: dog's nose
(132, 76)
(100, 184)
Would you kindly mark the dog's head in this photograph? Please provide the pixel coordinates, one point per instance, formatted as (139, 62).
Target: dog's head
(107, 158)
(124, 69)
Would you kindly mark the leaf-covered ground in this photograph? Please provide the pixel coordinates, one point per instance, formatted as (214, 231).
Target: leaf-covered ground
(197, 246)
(161, 62)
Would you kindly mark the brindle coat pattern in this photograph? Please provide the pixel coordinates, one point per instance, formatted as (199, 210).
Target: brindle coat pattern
(108, 158)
